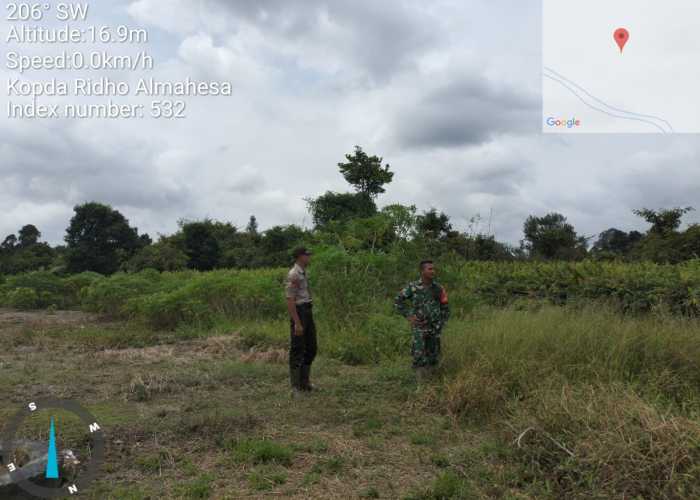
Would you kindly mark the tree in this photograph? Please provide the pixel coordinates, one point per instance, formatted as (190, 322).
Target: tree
(145, 240)
(372, 233)
(252, 227)
(663, 242)
(434, 225)
(23, 254)
(366, 173)
(226, 234)
(690, 242)
(476, 247)
(9, 244)
(403, 219)
(277, 243)
(162, 256)
(340, 207)
(664, 221)
(613, 242)
(245, 256)
(28, 235)
(31, 258)
(201, 244)
(552, 237)
(672, 247)
(99, 239)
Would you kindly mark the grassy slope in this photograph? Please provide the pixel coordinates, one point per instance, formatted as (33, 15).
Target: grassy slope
(603, 407)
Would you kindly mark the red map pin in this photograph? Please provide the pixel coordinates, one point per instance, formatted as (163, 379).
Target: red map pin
(622, 36)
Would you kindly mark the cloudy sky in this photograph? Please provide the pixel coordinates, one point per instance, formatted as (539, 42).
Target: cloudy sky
(447, 91)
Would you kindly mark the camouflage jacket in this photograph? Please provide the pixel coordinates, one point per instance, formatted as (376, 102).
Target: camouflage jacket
(427, 303)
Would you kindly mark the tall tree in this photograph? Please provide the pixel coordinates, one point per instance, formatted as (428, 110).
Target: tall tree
(663, 242)
(477, 247)
(252, 227)
(161, 256)
(99, 239)
(664, 221)
(552, 237)
(366, 173)
(340, 207)
(434, 225)
(29, 235)
(201, 245)
(690, 242)
(9, 243)
(23, 254)
(615, 242)
(403, 219)
(277, 243)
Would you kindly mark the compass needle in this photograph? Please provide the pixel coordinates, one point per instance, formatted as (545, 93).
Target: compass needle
(52, 459)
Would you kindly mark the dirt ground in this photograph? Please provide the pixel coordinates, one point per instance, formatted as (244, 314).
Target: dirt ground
(10, 318)
(184, 418)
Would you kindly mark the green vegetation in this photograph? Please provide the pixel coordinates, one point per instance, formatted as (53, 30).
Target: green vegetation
(354, 290)
(532, 400)
(257, 451)
(41, 289)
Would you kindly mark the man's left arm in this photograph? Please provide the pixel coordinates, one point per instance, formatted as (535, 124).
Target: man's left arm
(444, 306)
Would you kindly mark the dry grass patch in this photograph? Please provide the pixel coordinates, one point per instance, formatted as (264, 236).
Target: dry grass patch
(144, 386)
(607, 438)
(475, 393)
(149, 354)
(275, 356)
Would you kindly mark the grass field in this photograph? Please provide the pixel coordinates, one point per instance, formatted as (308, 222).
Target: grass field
(541, 402)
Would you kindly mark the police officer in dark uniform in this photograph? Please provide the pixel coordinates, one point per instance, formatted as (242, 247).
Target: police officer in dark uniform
(303, 345)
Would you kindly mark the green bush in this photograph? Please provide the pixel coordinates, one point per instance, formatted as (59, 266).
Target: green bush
(633, 288)
(74, 284)
(22, 298)
(109, 295)
(48, 289)
(237, 295)
(381, 336)
(353, 292)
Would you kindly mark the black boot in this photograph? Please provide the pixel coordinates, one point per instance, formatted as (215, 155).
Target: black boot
(305, 377)
(305, 383)
(295, 378)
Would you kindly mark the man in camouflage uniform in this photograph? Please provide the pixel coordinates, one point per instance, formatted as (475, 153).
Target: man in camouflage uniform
(302, 350)
(424, 303)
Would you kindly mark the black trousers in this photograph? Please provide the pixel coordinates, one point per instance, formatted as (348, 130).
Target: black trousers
(303, 348)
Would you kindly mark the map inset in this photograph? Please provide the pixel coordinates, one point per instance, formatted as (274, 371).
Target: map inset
(629, 66)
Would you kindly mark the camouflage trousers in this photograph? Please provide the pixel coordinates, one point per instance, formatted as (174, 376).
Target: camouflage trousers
(425, 348)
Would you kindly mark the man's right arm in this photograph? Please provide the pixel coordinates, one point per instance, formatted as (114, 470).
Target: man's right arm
(400, 302)
(292, 308)
(401, 306)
